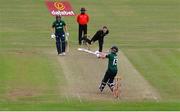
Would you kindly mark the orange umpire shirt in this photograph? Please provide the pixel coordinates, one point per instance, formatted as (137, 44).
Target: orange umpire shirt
(82, 19)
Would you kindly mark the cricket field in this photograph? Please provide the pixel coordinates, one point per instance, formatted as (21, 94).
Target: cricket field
(34, 77)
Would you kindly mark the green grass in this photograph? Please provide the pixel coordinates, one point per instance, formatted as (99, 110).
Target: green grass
(28, 76)
(160, 68)
(93, 106)
(146, 30)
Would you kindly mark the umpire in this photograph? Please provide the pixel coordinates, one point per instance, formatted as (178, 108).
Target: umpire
(59, 27)
(82, 20)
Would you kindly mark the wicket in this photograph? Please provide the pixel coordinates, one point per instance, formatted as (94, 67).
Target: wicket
(117, 87)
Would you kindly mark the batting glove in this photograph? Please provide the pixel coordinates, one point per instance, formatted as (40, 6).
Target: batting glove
(67, 34)
(53, 36)
(66, 38)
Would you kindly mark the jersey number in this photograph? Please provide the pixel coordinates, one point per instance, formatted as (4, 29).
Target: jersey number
(115, 61)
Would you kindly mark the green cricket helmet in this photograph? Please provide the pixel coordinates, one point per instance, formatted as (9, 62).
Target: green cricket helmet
(58, 17)
(114, 48)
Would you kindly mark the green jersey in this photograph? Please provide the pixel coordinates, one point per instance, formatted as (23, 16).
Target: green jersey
(112, 64)
(59, 27)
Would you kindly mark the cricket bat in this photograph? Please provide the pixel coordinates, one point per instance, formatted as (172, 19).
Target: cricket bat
(67, 44)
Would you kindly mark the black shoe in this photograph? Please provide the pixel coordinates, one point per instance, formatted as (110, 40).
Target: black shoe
(89, 42)
(101, 88)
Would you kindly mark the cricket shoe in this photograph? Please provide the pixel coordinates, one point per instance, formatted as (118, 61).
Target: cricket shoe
(101, 88)
(63, 53)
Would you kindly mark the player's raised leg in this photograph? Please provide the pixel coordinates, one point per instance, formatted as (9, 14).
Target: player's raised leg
(104, 81)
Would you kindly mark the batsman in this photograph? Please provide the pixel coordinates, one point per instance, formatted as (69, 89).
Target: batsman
(60, 29)
(112, 69)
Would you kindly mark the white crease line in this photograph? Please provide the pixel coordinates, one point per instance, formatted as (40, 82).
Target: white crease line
(79, 97)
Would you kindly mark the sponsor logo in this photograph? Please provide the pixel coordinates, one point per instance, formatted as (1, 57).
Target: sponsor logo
(59, 5)
(62, 8)
(63, 13)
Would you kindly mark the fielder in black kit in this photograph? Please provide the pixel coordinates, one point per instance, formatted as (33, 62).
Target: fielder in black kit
(99, 36)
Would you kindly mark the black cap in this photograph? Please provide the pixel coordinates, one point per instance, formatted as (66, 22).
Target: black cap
(115, 49)
(83, 9)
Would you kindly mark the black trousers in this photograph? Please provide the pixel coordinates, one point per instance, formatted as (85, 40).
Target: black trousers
(60, 43)
(108, 79)
(101, 42)
(82, 32)
(100, 45)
